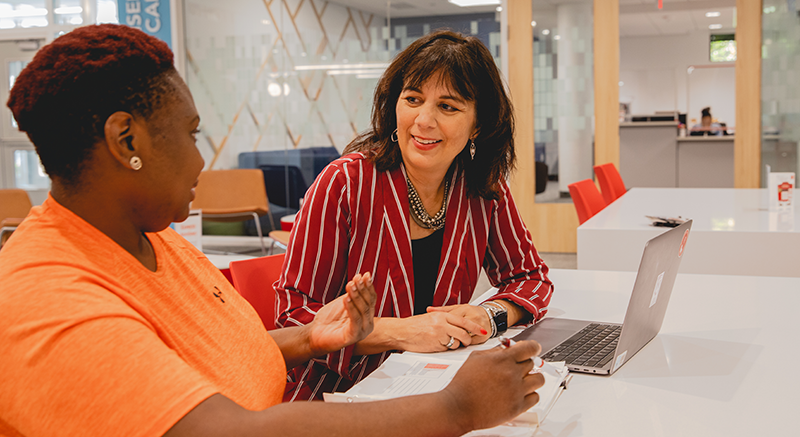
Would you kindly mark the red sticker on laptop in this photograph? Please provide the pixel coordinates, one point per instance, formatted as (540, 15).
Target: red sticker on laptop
(683, 243)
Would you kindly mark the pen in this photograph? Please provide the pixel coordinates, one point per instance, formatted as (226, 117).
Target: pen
(506, 343)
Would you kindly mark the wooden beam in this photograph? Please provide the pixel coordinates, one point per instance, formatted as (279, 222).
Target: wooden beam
(747, 142)
(520, 85)
(606, 81)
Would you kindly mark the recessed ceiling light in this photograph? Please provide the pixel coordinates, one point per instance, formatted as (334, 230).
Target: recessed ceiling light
(499, 9)
(713, 14)
(468, 3)
(557, 37)
(714, 26)
(546, 32)
(533, 23)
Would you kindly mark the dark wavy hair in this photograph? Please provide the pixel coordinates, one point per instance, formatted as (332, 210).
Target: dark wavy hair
(464, 65)
(63, 97)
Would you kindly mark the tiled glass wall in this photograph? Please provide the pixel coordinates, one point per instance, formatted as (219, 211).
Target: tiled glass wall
(294, 74)
(545, 99)
(563, 74)
(780, 86)
(485, 27)
(280, 75)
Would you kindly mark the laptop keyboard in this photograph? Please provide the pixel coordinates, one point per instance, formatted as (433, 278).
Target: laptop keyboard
(592, 346)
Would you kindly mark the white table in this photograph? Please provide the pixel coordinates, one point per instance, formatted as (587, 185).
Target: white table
(718, 367)
(224, 261)
(733, 232)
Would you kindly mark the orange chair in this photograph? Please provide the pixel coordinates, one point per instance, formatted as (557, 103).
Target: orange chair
(253, 279)
(14, 207)
(610, 182)
(587, 199)
(233, 195)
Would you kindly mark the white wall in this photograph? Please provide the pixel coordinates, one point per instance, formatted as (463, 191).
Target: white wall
(653, 70)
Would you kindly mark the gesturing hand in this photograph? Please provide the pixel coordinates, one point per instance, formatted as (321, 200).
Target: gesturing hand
(347, 319)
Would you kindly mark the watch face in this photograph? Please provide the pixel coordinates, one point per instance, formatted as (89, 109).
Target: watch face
(501, 320)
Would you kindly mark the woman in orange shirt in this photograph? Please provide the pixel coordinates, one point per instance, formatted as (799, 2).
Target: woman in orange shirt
(111, 324)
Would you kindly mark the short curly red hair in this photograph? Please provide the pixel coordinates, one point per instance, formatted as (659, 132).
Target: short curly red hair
(63, 97)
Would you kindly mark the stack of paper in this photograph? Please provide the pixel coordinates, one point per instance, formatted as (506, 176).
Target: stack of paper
(415, 373)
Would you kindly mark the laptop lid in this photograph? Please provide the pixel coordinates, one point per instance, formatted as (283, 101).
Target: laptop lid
(651, 292)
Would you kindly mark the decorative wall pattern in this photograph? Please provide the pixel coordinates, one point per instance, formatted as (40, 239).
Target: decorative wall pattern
(278, 74)
(283, 74)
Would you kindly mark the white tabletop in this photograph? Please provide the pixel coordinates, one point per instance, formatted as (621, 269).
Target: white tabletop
(713, 209)
(716, 369)
(733, 232)
(224, 261)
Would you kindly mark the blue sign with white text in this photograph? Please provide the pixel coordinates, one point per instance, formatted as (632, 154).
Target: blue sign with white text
(150, 16)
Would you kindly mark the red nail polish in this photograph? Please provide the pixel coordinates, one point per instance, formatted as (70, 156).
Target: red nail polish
(484, 332)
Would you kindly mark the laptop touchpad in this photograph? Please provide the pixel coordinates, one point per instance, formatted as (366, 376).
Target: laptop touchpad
(550, 332)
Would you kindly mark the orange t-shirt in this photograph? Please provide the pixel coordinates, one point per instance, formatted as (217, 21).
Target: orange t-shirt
(93, 343)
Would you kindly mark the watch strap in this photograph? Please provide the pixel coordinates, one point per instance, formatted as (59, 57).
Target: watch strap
(498, 316)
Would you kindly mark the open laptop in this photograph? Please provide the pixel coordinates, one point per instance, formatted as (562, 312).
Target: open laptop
(602, 348)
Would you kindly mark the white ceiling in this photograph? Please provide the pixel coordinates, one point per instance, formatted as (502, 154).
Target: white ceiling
(637, 17)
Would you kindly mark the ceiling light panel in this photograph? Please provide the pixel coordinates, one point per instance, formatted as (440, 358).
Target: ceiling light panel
(468, 3)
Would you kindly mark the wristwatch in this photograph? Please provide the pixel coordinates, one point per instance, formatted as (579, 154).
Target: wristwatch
(498, 315)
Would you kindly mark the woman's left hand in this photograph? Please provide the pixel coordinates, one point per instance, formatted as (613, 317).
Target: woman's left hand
(470, 312)
(347, 319)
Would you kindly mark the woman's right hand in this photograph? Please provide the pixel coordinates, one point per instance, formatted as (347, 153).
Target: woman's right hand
(495, 386)
(431, 332)
(428, 332)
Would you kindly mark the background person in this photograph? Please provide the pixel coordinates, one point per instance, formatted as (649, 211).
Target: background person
(707, 126)
(422, 202)
(112, 324)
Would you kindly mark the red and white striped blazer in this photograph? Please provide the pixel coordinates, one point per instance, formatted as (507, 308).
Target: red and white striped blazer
(356, 220)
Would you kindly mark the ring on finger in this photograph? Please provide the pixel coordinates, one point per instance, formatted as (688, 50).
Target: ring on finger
(450, 343)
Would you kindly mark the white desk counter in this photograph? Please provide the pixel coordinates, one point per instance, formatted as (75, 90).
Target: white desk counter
(733, 232)
(718, 367)
(705, 162)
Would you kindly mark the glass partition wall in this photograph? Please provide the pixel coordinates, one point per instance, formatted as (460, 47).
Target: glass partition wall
(563, 76)
(285, 85)
(780, 87)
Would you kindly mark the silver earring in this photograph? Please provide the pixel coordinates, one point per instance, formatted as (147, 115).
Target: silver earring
(136, 162)
(471, 149)
(393, 136)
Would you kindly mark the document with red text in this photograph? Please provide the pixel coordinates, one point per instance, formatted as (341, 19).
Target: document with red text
(406, 374)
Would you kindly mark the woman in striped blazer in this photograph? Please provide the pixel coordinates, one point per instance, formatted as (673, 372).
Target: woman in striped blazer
(421, 201)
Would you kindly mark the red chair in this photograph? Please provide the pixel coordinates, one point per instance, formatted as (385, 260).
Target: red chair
(610, 182)
(253, 279)
(587, 199)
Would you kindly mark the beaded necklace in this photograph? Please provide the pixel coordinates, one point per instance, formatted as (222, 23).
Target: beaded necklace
(418, 212)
